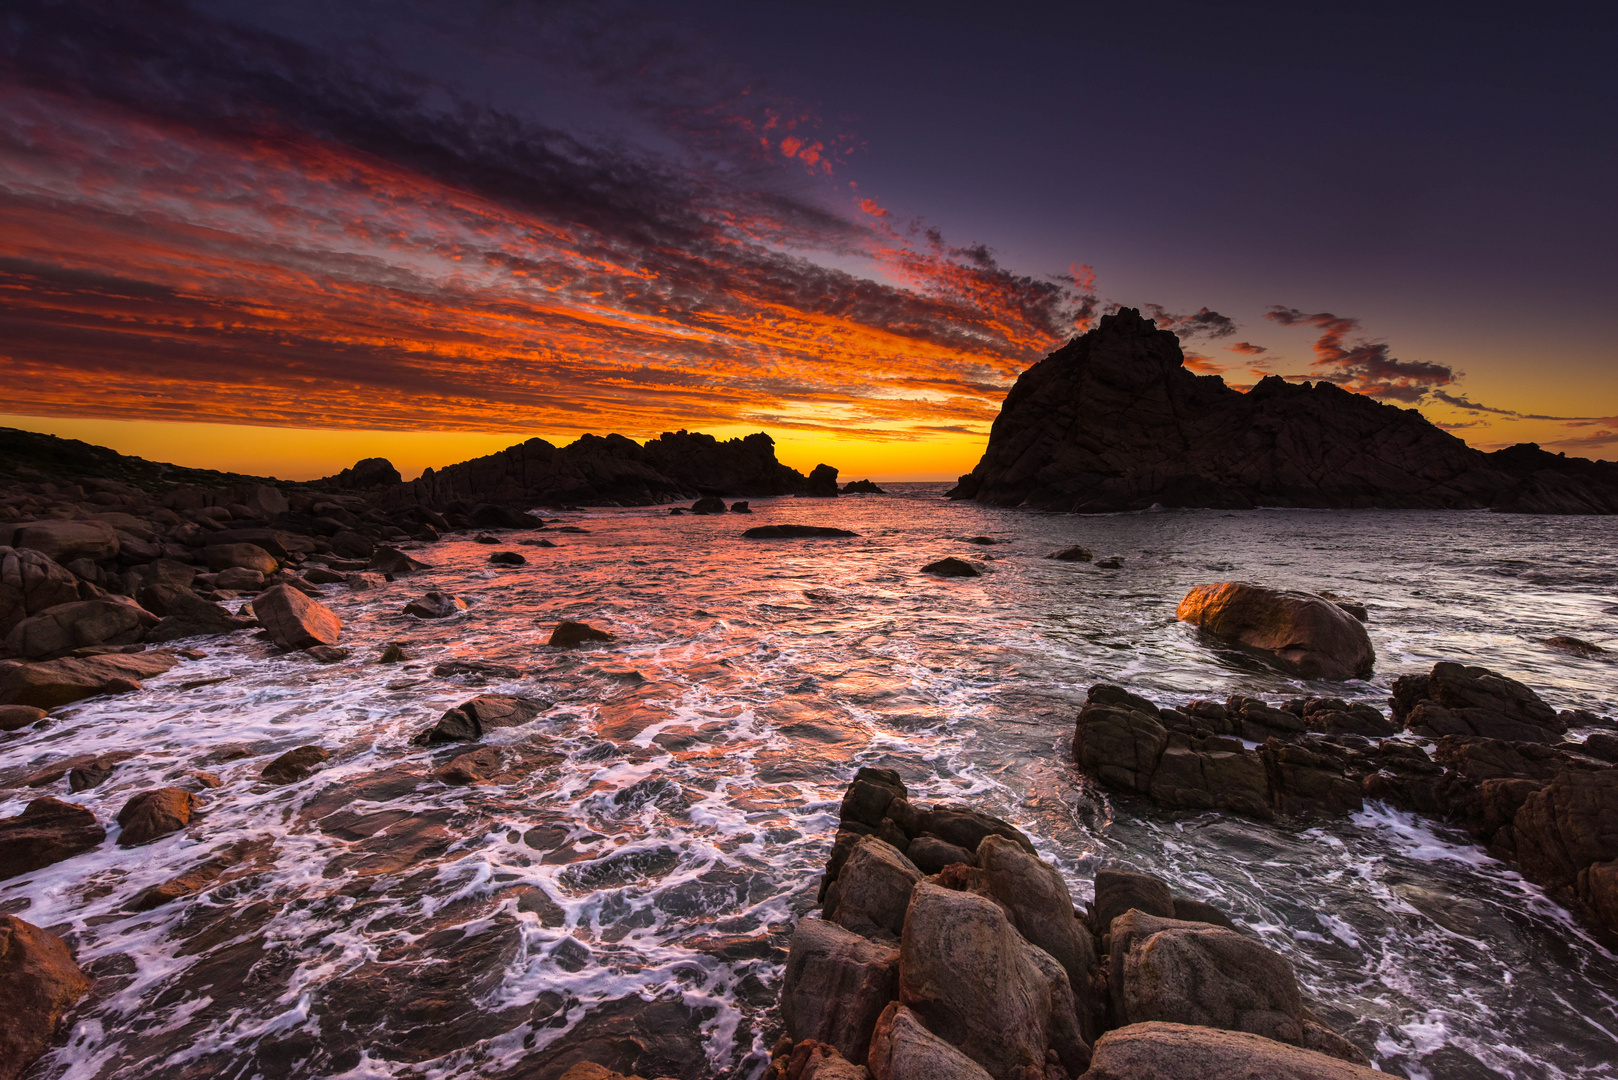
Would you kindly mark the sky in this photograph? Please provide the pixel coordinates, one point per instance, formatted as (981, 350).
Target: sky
(277, 237)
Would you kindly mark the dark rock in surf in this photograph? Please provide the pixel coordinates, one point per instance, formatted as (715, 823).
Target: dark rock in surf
(507, 558)
(1165, 1051)
(1114, 421)
(741, 508)
(709, 505)
(47, 831)
(1454, 699)
(62, 682)
(435, 605)
(1073, 554)
(1574, 646)
(390, 560)
(862, 487)
(1111, 562)
(1310, 635)
(952, 567)
(794, 532)
(295, 765)
(568, 634)
(39, 982)
(153, 814)
(468, 721)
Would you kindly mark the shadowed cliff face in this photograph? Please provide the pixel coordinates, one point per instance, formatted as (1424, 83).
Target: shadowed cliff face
(1113, 421)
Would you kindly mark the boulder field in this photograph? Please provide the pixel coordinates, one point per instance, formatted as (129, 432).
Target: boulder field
(1114, 421)
(947, 949)
(1463, 744)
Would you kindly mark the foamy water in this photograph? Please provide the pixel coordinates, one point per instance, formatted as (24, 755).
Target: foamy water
(655, 832)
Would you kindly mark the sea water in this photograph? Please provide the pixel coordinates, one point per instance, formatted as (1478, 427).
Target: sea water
(644, 846)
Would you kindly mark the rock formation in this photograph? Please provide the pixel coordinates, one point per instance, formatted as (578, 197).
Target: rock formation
(1308, 634)
(1114, 421)
(1498, 768)
(39, 982)
(984, 970)
(613, 470)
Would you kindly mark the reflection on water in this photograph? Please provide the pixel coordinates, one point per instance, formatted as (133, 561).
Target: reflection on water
(653, 834)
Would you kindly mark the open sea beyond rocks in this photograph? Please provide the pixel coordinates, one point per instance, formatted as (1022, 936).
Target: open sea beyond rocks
(648, 842)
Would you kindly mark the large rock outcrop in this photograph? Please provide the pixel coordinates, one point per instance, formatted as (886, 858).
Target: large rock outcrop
(1114, 421)
(610, 470)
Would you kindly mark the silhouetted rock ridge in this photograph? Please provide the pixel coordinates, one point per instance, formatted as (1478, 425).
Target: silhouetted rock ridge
(1114, 421)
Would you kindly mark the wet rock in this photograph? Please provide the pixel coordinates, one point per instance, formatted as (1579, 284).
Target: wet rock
(835, 986)
(903, 1049)
(435, 605)
(507, 558)
(1601, 745)
(709, 505)
(193, 881)
(221, 557)
(80, 624)
(326, 654)
(872, 890)
(393, 653)
(390, 560)
(484, 538)
(1188, 910)
(1333, 716)
(794, 532)
(1119, 890)
(468, 721)
(1306, 633)
(966, 827)
(1193, 973)
(294, 621)
(1036, 900)
(930, 854)
(474, 767)
(568, 634)
(185, 614)
(952, 567)
(61, 682)
(963, 969)
(1117, 743)
(364, 582)
(239, 579)
(30, 582)
(1353, 607)
(741, 508)
(1573, 645)
(153, 814)
(862, 487)
(631, 1036)
(1111, 562)
(47, 831)
(1454, 699)
(63, 541)
(1164, 1051)
(1310, 781)
(95, 772)
(477, 668)
(1073, 554)
(869, 796)
(39, 982)
(295, 765)
(1212, 773)
(17, 717)
(1567, 827)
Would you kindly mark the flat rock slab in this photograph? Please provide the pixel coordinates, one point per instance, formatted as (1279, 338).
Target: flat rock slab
(47, 831)
(61, 682)
(1164, 1051)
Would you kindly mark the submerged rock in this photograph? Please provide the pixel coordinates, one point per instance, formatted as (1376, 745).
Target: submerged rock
(39, 982)
(1073, 554)
(1311, 635)
(793, 532)
(435, 605)
(47, 831)
(952, 567)
(468, 721)
(295, 765)
(568, 634)
(1573, 645)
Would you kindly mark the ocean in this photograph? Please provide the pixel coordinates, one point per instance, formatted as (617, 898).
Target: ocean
(635, 861)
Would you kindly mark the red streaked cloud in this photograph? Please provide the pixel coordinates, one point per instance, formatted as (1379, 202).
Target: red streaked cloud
(198, 222)
(1247, 348)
